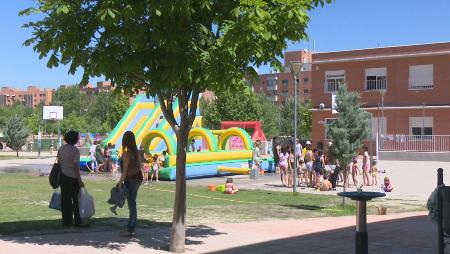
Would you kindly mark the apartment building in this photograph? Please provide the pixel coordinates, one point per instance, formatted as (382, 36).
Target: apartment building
(405, 88)
(278, 86)
(31, 97)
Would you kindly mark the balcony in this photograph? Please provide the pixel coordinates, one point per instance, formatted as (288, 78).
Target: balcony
(380, 83)
(420, 83)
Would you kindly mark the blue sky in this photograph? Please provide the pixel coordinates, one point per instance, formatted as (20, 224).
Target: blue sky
(345, 24)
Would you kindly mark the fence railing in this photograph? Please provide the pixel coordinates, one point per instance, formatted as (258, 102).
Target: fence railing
(414, 143)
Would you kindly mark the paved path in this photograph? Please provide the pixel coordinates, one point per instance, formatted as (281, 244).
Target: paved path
(395, 233)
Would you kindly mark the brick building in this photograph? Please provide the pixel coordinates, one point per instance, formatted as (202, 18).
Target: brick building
(31, 97)
(408, 85)
(280, 85)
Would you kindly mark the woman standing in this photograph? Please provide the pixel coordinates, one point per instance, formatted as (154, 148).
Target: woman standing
(131, 178)
(70, 180)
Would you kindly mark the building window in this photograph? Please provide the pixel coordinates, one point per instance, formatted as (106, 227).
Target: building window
(272, 84)
(327, 123)
(333, 79)
(420, 77)
(421, 126)
(376, 79)
(285, 93)
(285, 83)
(305, 80)
(305, 91)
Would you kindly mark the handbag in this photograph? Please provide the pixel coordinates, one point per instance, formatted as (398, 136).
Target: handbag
(85, 204)
(55, 201)
(55, 173)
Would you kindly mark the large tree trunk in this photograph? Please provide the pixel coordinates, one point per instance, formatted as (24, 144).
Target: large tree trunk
(181, 129)
(17, 153)
(178, 230)
(345, 175)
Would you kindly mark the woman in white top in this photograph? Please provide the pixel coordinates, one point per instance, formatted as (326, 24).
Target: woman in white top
(70, 180)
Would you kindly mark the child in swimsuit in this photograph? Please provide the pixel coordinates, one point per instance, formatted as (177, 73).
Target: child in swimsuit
(229, 186)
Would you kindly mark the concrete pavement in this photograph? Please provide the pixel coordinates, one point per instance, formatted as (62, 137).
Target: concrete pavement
(394, 233)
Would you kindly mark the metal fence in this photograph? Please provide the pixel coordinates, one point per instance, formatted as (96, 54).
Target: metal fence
(414, 143)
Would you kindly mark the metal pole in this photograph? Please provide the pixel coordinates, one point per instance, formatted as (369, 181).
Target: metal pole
(361, 239)
(440, 181)
(59, 134)
(371, 140)
(295, 132)
(382, 113)
(423, 120)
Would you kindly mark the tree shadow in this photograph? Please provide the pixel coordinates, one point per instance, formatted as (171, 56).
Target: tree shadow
(306, 207)
(103, 233)
(407, 235)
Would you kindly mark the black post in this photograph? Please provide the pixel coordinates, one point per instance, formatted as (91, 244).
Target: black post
(440, 181)
(361, 237)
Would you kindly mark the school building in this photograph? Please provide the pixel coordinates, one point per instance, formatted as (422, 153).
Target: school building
(278, 86)
(405, 88)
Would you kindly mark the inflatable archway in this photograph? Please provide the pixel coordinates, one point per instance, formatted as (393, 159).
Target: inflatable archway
(246, 139)
(164, 135)
(207, 135)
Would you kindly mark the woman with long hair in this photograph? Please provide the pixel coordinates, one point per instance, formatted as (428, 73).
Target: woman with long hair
(131, 178)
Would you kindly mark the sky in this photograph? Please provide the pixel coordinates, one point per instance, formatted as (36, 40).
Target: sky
(343, 25)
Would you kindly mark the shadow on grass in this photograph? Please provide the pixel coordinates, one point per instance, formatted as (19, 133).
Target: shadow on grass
(306, 207)
(102, 233)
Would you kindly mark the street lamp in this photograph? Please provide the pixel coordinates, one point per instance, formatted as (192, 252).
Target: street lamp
(296, 68)
(382, 92)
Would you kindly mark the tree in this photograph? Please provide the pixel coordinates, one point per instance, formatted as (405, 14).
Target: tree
(211, 117)
(70, 98)
(120, 104)
(271, 116)
(174, 49)
(304, 117)
(349, 130)
(73, 122)
(16, 133)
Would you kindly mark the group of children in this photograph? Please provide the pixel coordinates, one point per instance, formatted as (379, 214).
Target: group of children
(151, 164)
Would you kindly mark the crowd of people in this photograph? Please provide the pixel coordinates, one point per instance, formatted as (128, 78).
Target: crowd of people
(320, 170)
(107, 159)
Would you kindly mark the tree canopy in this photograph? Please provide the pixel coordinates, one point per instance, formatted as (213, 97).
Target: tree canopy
(16, 133)
(175, 49)
(350, 128)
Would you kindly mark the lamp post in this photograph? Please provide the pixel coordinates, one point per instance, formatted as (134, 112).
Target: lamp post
(296, 68)
(382, 92)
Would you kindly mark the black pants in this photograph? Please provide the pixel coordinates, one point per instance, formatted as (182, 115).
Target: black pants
(69, 200)
(334, 176)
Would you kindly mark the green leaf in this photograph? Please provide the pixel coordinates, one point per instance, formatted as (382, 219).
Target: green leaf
(158, 12)
(111, 14)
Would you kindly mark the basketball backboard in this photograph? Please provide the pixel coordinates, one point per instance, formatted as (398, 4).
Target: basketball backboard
(52, 113)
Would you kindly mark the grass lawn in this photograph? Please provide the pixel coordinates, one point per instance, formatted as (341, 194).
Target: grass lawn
(13, 157)
(24, 205)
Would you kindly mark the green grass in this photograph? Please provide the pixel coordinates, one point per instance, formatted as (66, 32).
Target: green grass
(24, 205)
(13, 157)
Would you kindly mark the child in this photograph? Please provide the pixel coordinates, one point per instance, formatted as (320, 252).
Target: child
(387, 187)
(374, 173)
(155, 168)
(355, 171)
(229, 186)
(326, 184)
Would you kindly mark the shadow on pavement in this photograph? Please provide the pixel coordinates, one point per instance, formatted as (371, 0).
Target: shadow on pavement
(409, 235)
(102, 233)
